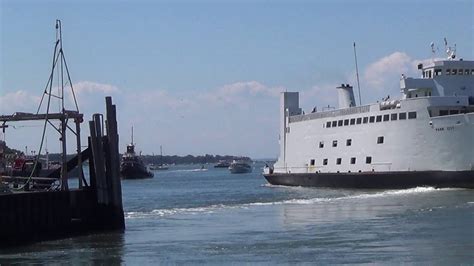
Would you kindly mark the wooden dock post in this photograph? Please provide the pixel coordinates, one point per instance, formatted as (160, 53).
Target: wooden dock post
(113, 164)
(106, 167)
(98, 158)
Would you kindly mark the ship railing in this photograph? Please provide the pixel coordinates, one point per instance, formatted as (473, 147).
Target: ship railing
(294, 169)
(332, 113)
(377, 166)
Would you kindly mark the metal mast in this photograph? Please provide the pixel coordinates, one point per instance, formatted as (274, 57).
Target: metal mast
(58, 57)
(357, 74)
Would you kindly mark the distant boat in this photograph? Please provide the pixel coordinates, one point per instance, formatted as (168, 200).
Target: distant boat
(158, 166)
(132, 166)
(222, 164)
(161, 165)
(240, 167)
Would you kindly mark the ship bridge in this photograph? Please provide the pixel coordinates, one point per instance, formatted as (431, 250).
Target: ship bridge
(441, 78)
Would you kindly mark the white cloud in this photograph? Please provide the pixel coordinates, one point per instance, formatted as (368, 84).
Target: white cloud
(161, 98)
(240, 92)
(94, 87)
(385, 69)
(21, 101)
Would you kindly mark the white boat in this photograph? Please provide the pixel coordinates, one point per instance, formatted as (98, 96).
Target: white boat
(160, 166)
(240, 167)
(423, 138)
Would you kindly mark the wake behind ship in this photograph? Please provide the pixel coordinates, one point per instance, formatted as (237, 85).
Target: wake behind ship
(425, 138)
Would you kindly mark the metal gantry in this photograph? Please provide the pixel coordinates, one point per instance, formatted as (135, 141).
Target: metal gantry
(63, 116)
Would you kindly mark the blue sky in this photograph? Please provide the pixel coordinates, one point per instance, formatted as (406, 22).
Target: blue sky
(203, 76)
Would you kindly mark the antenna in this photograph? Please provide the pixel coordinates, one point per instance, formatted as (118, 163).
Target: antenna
(357, 74)
(132, 135)
(433, 51)
(450, 52)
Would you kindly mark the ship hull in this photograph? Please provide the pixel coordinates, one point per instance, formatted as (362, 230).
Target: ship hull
(376, 180)
(130, 172)
(240, 169)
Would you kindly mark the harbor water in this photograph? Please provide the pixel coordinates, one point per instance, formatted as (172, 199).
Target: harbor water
(189, 215)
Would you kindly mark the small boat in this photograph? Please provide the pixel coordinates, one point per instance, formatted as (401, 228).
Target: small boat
(240, 167)
(158, 167)
(132, 166)
(161, 165)
(222, 164)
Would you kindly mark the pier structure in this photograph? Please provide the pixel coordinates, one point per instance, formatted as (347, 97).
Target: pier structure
(34, 208)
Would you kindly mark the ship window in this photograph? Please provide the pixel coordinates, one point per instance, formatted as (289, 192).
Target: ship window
(386, 117)
(466, 72)
(334, 143)
(328, 124)
(366, 119)
(380, 140)
(359, 121)
(321, 144)
(453, 112)
(402, 116)
(334, 123)
(460, 72)
(353, 121)
(348, 142)
(368, 160)
(394, 117)
(448, 71)
(472, 72)
(338, 160)
(311, 162)
(454, 72)
(346, 122)
(379, 118)
(339, 123)
(443, 112)
(325, 162)
(437, 72)
(429, 73)
(353, 160)
(372, 119)
(411, 115)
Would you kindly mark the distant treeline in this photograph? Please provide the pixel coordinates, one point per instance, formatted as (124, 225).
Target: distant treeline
(188, 159)
(7, 150)
(156, 159)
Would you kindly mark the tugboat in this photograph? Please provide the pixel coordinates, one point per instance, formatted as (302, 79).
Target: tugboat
(240, 167)
(132, 166)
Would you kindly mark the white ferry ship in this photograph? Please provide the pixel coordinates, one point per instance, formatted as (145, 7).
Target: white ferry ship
(425, 138)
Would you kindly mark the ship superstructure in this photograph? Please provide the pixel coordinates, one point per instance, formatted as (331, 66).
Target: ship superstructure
(426, 137)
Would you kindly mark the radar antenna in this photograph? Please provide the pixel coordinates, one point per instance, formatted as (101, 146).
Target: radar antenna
(450, 51)
(433, 51)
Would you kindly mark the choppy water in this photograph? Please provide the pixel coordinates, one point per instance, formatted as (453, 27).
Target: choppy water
(189, 216)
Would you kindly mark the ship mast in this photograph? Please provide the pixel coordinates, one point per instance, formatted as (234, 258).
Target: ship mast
(58, 55)
(357, 74)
